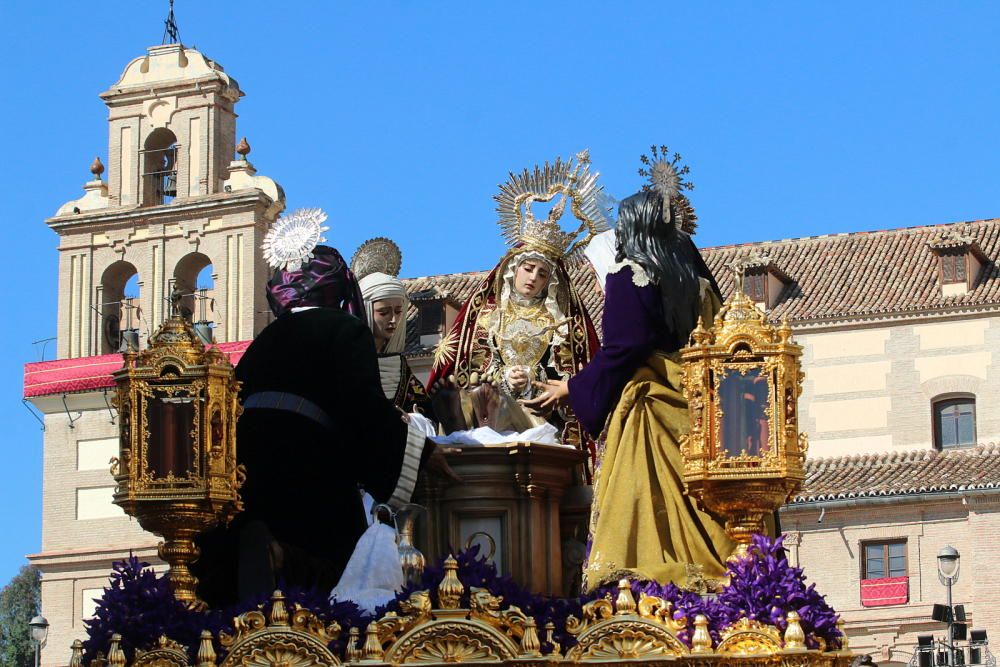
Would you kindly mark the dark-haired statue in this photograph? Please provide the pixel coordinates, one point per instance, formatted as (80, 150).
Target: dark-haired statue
(642, 524)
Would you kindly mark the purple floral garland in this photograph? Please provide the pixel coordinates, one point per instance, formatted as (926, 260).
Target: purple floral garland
(138, 605)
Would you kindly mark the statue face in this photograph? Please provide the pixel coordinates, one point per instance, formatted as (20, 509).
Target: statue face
(531, 277)
(387, 316)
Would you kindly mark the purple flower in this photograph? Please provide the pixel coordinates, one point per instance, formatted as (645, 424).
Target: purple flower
(764, 587)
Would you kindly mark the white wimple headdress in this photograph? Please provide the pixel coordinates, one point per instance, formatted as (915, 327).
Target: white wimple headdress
(292, 238)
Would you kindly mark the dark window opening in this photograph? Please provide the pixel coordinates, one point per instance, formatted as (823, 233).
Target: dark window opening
(884, 560)
(159, 167)
(953, 268)
(955, 422)
(430, 317)
(754, 285)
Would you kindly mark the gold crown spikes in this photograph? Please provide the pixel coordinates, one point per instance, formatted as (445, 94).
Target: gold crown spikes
(377, 255)
(569, 181)
(292, 238)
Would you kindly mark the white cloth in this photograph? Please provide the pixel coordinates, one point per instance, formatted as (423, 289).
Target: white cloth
(600, 252)
(545, 434)
(373, 575)
(423, 424)
(378, 286)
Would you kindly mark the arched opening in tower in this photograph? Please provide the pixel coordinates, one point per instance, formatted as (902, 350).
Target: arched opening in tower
(195, 279)
(119, 305)
(159, 172)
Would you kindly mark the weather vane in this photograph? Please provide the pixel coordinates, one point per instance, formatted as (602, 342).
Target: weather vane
(170, 30)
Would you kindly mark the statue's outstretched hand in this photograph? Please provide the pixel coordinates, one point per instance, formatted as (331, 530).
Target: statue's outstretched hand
(437, 464)
(554, 392)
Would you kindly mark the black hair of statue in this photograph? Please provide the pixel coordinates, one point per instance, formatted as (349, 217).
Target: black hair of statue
(669, 257)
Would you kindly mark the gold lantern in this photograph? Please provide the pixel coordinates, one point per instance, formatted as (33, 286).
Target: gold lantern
(744, 455)
(176, 471)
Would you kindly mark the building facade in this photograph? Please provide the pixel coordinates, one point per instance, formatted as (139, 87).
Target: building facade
(900, 330)
(176, 214)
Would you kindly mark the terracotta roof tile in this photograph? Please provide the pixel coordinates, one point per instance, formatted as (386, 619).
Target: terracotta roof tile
(901, 473)
(831, 277)
(863, 274)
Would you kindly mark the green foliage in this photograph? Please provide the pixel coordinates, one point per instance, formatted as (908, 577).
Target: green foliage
(20, 600)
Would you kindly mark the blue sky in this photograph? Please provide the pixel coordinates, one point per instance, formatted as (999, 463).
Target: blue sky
(400, 119)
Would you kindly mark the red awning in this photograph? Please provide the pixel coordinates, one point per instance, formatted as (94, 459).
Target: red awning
(63, 376)
(884, 592)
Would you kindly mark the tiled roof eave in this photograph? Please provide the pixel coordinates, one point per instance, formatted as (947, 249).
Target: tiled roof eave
(872, 498)
(853, 319)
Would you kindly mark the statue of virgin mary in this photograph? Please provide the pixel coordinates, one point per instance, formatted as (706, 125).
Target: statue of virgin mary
(525, 322)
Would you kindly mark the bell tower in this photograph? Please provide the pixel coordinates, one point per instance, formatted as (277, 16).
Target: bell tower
(177, 213)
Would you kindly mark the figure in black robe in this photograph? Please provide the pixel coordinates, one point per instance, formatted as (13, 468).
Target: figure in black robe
(316, 426)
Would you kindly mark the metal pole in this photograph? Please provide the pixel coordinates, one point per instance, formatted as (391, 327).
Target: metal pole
(951, 620)
(38, 657)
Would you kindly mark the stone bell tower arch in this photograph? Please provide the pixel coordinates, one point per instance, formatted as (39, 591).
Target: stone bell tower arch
(176, 205)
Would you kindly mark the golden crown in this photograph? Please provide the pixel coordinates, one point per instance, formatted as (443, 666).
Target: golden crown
(569, 181)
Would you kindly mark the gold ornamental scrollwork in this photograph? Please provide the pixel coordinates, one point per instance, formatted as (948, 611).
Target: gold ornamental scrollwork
(626, 630)
(167, 653)
(451, 641)
(298, 639)
(619, 631)
(748, 637)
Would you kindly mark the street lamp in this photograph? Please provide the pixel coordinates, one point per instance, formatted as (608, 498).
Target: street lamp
(39, 633)
(948, 566)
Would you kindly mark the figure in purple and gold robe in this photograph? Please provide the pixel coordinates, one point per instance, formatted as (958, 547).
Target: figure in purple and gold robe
(642, 525)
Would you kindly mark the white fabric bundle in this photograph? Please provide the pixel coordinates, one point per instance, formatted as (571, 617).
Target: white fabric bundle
(545, 434)
(373, 575)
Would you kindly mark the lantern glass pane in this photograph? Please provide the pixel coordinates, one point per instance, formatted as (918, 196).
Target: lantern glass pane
(745, 401)
(171, 420)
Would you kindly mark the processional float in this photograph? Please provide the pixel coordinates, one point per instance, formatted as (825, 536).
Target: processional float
(743, 457)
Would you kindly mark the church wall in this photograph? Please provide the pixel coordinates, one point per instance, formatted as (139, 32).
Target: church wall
(64, 480)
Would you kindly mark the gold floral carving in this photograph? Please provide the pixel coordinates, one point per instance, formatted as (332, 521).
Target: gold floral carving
(619, 640)
(748, 637)
(167, 653)
(485, 607)
(451, 641)
(414, 610)
(629, 630)
(617, 630)
(296, 640)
